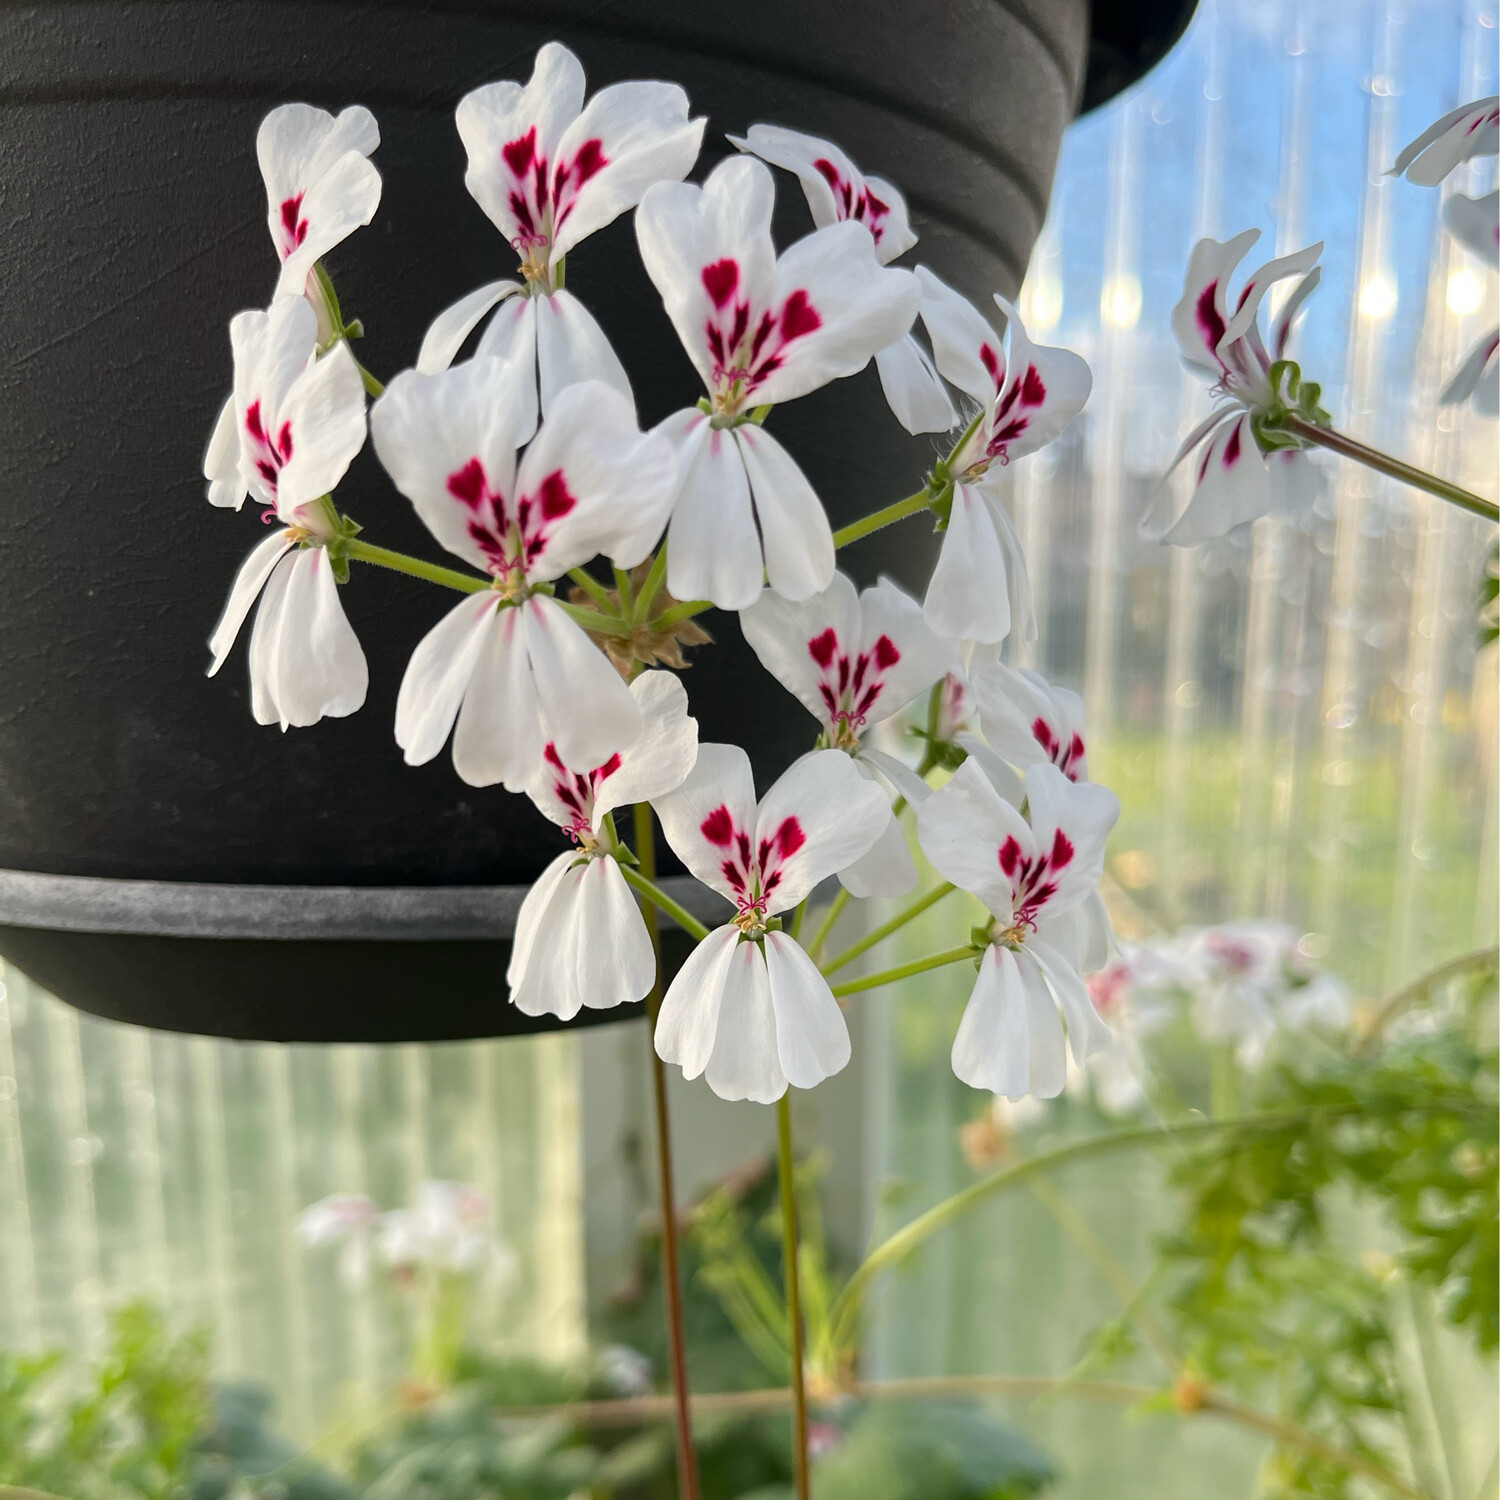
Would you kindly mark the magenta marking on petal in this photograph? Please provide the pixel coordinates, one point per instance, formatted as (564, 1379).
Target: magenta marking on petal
(519, 153)
(720, 280)
(718, 827)
(798, 316)
(1232, 448)
(989, 357)
(468, 483)
(886, 654)
(556, 499)
(1206, 314)
(1062, 850)
(789, 838)
(1033, 390)
(1010, 855)
(822, 646)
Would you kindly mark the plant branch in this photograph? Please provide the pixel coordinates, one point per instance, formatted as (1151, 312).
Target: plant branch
(643, 885)
(650, 585)
(825, 927)
(904, 971)
(687, 1458)
(886, 516)
(1393, 1005)
(879, 934)
(1383, 463)
(788, 1191)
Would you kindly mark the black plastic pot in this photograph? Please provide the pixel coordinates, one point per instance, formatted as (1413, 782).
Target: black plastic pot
(162, 858)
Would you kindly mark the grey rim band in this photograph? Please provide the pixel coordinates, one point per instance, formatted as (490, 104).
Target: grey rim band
(193, 909)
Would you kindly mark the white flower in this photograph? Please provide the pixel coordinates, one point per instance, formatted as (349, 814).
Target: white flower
(749, 1008)
(580, 918)
(295, 423)
(854, 660)
(1234, 481)
(508, 664)
(449, 1227)
(760, 329)
(344, 1219)
(1027, 394)
(836, 190)
(1033, 873)
(320, 183)
(549, 170)
(1027, 720)
(1470, 130)
(1475, 224)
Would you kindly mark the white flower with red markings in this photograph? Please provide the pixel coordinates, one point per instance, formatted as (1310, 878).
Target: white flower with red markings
(1027, 394)
(320, 185)
(1028, 720)
(1244, 469)
(448, 1228)
(550, 169)
(579, 922)
(347, 1220)
(1470, 130)
(1475, 224)
(1033, 872)
(296, 423)
(853, 660)
(836, 190)
(749, 1008)
(760, 330)
(508, 664)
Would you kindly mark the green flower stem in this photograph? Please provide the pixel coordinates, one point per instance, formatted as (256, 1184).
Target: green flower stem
(904, 971)
(1418, 989)
(624, 593)
(682, 1417)
(469, 583)
(835, 908)
(895, 1249)
(650, 585)
(1383, 463)
(793, 1294)
(593, 588)
(653, 893)
(878, 520)
(885, 929)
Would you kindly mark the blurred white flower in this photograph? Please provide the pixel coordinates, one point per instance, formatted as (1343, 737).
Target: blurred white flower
(449, 1227)
(345, 1219)
(623, 1370)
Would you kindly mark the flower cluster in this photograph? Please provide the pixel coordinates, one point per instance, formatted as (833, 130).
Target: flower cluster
(526, 462)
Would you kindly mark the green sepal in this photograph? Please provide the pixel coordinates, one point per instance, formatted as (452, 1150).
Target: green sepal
(1292, 396)
(625, 856)
(705, 406)
(979, 937)
(773, 924)
(941, 504)
(757, 416)
(340, 566)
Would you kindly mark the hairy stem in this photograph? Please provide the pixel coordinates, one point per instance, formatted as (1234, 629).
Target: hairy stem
(879, 934)
(643, 885)
(793, 1293)
(825, 927)
(886, 516)
(904, 971)
(687, 1458)
(1383, 463)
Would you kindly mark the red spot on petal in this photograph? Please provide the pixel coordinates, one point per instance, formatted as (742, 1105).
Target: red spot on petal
(607, 769)
(720, 279)
(990, 359)
(1033, 391)
(589, 161)
(886, 654)
(829, 173)
(467, 484)
(1041, 732)
(798, 316)
(1010, 855)
(1232, 448)
(1062, 850)
(718, 827)
(1210, 324)
(556, 499)
(518, 153)
(822, 647)
(789, 838)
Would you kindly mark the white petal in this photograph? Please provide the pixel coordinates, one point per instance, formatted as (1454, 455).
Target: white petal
(340, 201)
(861, 307)
(713, 548)
(245, 590)
(660, 759)
(1281, 325)
(794, 529)
(530, 915)
(967, 596)
(995, 770)
(571, 346)
(1202, 312)
(1010, 1040)
(644, 136)
(890, 614)
(297, 143)
(1231, 488)
(1083, 813)
(265, 655)
(964, 347)
(912, 388)
(437, 677)
(900, 777)
(885, 870)
(961, 828)
(840, 812)
(1470, 130)
(617, 481)
(689, 1017)
(221, 463)
(745, 1063)
(1087, 1033)
(1259, 282)
(781, 634)
(1027, 720)
(1466, 379)
(550, 986)
(1045, 388)
(499, 736)
(429, 428)
(720, 778)
(446, 335)
(1474, 223)
(812, 1039)
(326, 409)
(587, 711)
